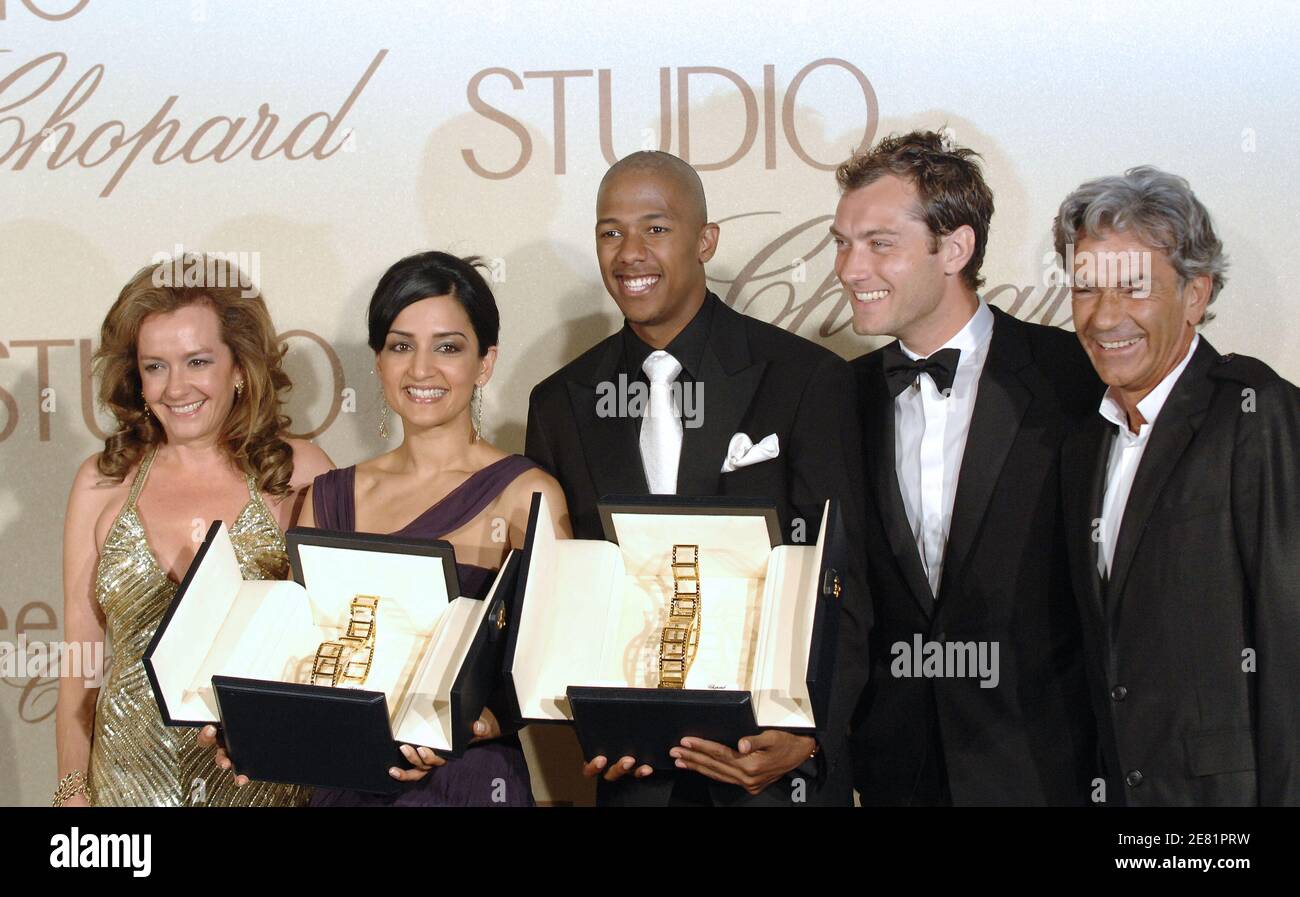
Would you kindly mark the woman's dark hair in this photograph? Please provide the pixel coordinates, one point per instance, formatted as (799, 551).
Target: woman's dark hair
(428, 274)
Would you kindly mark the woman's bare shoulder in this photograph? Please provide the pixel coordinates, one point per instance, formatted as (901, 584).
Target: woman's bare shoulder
(309, 462)
(93, 486)
(535, 479)
(95, 498)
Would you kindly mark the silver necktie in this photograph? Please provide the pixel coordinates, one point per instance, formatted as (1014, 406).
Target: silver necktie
(661, 431)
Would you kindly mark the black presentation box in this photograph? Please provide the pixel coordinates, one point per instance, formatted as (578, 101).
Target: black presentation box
(240, 652)
(584, 637)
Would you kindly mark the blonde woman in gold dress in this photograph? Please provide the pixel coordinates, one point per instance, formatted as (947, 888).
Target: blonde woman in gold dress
(193, 376)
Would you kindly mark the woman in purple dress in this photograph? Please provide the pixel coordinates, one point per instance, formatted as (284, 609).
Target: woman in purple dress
(433, 327)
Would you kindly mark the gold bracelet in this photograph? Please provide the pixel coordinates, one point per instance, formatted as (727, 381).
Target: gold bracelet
(73, 783)
(681, 635)
(361, 633)
(347, 659)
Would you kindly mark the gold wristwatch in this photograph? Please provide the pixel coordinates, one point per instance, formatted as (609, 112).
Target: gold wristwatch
(681, 635)
(347, 659)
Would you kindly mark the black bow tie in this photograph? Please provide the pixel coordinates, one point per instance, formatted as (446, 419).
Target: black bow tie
(901, 371)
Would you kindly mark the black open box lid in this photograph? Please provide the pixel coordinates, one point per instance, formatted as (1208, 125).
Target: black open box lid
(297, 733)
(645, 722)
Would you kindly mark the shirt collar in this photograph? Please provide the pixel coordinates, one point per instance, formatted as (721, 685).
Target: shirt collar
(974, 336)
(687, 347)
(1150, 405)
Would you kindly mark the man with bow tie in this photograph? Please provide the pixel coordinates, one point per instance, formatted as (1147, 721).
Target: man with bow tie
(775, 419)
(964, 414)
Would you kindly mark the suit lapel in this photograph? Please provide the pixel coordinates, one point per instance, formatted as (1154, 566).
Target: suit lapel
(1000, 403)
(609, 441)
(1084, 459)
(729, 379)
(1176, 424)
(878, 435)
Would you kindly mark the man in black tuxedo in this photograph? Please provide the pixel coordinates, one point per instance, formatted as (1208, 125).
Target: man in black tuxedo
(753, 383)
(1182, 512)
(976, 693)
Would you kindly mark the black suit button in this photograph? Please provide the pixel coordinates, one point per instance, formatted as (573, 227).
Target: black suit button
(943, 637)
(1133, 779)
(1118, 693)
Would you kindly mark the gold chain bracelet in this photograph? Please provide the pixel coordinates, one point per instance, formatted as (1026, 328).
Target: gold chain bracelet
(73, 783)
(681, 635)
(347, 659)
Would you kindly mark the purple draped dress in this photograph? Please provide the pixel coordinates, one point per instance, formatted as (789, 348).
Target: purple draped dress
(490, 773)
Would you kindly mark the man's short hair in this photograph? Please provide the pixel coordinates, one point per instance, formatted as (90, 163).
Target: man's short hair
(667, 165)
(1157, 207)
(947, 179)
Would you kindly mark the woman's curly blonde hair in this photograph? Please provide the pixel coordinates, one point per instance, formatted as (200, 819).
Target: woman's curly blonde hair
(254, 431)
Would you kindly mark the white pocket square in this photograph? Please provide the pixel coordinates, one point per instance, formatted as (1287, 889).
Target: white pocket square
(743, 452)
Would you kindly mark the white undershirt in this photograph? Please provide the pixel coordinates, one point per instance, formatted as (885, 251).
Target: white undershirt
(1126, 454)
(930, 438)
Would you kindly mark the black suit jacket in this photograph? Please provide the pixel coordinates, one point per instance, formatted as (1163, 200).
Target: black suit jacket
(758, 379)
(1193, 642)
(1030, 739)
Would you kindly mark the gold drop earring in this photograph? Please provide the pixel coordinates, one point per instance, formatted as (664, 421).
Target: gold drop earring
(476, 411)
(145, 403)
(383, 412)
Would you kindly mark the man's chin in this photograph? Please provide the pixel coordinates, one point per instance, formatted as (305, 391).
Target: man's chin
(871, 325)
(1120, 377)
(636, 311)
(640, 317)
(644, 313)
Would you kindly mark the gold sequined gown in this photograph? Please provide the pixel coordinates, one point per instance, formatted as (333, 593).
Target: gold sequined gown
(135, 760)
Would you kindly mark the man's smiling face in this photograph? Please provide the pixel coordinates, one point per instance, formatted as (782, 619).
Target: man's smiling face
(1134, 332)
(885, 257)
(652, 243)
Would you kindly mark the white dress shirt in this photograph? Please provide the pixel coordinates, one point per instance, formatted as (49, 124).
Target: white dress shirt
(1126, 454)
(930, 438)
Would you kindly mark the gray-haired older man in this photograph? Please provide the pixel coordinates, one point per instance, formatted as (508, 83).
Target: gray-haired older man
(1182, 502)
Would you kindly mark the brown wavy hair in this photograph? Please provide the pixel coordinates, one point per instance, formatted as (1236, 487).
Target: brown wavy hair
(254, 431)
